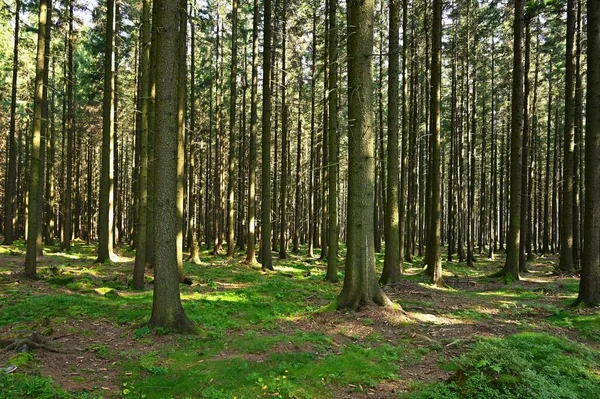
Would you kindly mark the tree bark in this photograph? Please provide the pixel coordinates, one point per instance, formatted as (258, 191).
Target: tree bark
(266, 256)
(391, 263)
(360, 281)
(106, 210)
(167, 311)
(34, 214)
(566, 263)
(510, 270)
(589, 288)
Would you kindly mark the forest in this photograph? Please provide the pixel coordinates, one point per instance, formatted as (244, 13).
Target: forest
(300, 199)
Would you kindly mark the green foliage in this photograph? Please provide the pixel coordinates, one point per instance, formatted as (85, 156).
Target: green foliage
(25, 386)
(526, 365)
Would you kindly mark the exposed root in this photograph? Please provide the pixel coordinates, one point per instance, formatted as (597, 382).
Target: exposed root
(33, 341)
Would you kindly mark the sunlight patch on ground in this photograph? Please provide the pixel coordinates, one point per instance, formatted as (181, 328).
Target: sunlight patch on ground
(433, 319)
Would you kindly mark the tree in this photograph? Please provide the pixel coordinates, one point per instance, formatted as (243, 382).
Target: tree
(141, 230)
(106, 210)
(510, 271)
(391, 265)
(589, 287)
(232, 136)
(266, 256)
(167, 311)
(360, 281)
(34, 210)
(566, 264)
(11, 176)
(68, 201)
(434, 254)
(251, 249)
(332, 141)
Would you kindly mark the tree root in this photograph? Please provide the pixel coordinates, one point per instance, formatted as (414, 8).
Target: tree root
(34, 341)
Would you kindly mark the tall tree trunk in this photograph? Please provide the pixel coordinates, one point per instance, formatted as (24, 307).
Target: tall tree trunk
(333, 169)
(34, 214)
(181, 108)
(546, 239)
(284, 139)
(251, 249)
(106, 211)
(525, 156)
(391, 263)
(266, 256)
(566, 263)
(510, 270)
(589, 288)
(360, 281)
(167, 311)
(434, 254)
(193, 204)
(142, 194)
(11, 176)
(232, 136)
(578, 138)
(403, 165)
(312, 176)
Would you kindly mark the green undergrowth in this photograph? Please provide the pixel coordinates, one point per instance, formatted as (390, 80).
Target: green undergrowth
(290, 373)
(27, 386)
(526, 365)
(258, 335)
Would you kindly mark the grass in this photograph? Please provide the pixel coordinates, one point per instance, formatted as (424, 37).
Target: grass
(276, 334)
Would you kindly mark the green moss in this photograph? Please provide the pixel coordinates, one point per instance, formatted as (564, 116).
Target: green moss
(526, 365)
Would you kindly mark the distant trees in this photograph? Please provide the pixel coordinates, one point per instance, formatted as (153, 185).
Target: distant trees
(481, 152)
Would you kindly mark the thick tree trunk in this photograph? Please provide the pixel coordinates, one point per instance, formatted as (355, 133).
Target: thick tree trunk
(167, 311)
(360, 281)
(589, 288)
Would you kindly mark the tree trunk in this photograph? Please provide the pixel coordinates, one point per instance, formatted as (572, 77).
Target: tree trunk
(589, 288)
(142, 194)
(333, 173)
(11, 176)
(251, 249)
(360, 281)
(232, 136)
(34, 214)
(266, 256)
(566, 264)
(510, 270)
(167, 311)
(106, 212)
(391, 263)
(434, 254)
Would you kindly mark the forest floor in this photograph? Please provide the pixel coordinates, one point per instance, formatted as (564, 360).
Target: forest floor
(276, 335)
